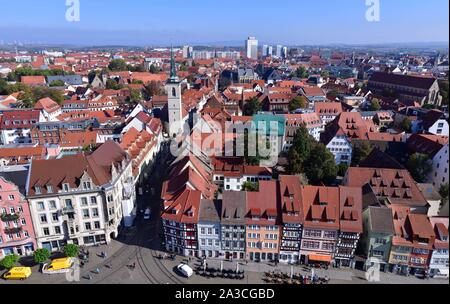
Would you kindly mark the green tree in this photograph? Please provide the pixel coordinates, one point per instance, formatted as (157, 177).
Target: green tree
(183, 67)
(320, 167)
(325, 74)
(71, 250)
(43, 92)
(135, 96)
(250, 187)
(118, 65)
(406, 125)
(137, 81)
(41, 255)
(252, 106)
(152, 88)
(443, 86)
(3, 87)
(342, 169)
(443, 191)
(136, 68)
(301, 72)
(28, 71)
(419, 165)
(9, 261)
(154, 69)
(57, 83)
(111, 84)
(300, 150)
(375, 105)
(299, 102)
(361, 150)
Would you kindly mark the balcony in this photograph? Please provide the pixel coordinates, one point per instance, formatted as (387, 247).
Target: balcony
(68, 210)
(13, 230)
(351, 236)
(10, 217)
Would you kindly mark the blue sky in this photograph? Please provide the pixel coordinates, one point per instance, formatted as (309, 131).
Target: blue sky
(152, 22)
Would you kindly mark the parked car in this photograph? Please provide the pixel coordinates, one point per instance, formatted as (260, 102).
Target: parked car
(58, 266)
(185, 270)
(18, 273)
(147, 214)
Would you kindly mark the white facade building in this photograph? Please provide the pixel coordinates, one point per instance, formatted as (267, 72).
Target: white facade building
(85, 204)
(439, 174)
(341, 148)
(252, 48)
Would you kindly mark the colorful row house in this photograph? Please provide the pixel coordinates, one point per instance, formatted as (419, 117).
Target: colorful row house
(16, 226)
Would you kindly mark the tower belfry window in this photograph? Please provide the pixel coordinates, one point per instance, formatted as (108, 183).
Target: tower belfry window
(174, 92)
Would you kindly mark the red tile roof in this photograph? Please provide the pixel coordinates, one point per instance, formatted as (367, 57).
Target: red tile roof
(33, 79)
(396, 185)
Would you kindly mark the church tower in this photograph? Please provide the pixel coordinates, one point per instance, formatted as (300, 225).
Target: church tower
(173, 87)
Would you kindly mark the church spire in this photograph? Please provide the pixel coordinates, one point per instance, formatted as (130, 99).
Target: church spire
(173, 71)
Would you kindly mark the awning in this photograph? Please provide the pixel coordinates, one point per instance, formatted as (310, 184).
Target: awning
(319, 258)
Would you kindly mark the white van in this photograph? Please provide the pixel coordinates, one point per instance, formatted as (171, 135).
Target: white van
(185, 270)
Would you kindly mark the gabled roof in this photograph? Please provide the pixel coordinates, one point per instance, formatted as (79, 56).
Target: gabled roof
(234, 206)
(350, 209)
(291, 199)
(321, 207)
(183, 208)
(396, 185)
(424, 83)
(349, 124)
(431, 118)
(47, 104)
(266, 201)
(426, 144)
(381, 220)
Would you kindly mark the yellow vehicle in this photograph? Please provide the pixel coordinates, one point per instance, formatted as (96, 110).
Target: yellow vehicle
(18, 273)
(58, 266)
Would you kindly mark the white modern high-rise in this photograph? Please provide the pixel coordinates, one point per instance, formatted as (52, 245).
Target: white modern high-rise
(187, 51)
(252, 48)
(285, 52)
(270, 51)
(279, 53)
(265, 50)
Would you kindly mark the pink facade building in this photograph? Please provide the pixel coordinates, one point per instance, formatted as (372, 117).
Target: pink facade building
(16, 227)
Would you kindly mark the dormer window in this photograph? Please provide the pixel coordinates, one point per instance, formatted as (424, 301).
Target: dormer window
(49, 189)
(37, 190)
(86, 185)
(65, 187)
(174, 211)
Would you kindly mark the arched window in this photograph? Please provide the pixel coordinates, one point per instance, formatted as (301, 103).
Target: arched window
(174, 92)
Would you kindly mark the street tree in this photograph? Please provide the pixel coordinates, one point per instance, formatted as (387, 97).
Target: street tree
(41, 255)
(9, 261)
(71, 250)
